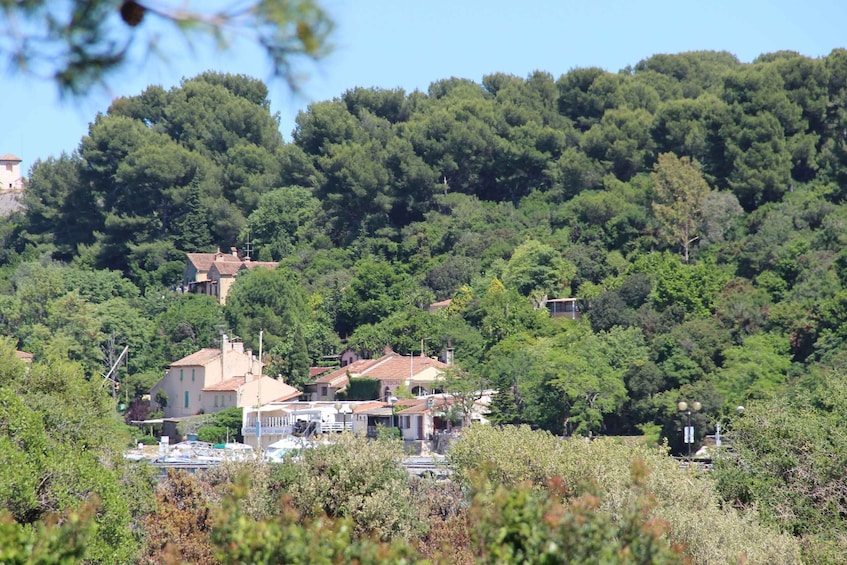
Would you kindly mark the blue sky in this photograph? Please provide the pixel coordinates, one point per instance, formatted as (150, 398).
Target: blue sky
(398, 43)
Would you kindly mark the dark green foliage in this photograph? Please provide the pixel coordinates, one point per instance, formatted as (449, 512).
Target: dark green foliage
(376, 291)
(269, 300)
(61, 540)
(59, 451)
(363, 389)
(190, 323)
(694, 288)
(281, 220)
(224, 426)
(609, 310)
(788, 461)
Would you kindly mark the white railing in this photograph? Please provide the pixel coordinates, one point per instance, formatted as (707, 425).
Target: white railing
(336, 426)
(281, 425)
(270, 422)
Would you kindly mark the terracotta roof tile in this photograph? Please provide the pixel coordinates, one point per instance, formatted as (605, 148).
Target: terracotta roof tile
(10, 157)
(254, 264)
(388, 367)
(355, 368)
(204, 261)
(421, 408)
(435, 306)
(394, 366)
(226, 268)
(23, 355)
(198, 358)
(232, 384)
(315, 371)
(368, 406)
(337, 378)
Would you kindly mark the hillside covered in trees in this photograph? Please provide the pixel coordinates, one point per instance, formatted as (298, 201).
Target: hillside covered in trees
(694, 204)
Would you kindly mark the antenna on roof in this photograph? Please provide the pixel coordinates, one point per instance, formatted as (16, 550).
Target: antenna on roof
(248, 249)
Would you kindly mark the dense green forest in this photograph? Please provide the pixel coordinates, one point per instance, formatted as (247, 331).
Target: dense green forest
(693, 203)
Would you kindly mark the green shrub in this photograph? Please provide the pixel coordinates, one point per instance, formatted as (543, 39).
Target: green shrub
(357, 478)
(212, 434)
(686, 500)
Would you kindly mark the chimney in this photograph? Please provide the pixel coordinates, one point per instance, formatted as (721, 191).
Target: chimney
(449, 356)
(234, 251)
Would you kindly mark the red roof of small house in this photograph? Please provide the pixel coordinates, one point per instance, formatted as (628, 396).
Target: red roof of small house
(204, 261)
(198, 358)
(422, 408)
(263, 264)
(435, 306)
(368, 406)
(23, 355)
(409, 404)
(232, 384)
(339, 376)
(337, 379)
(391, 366)
(394, 366)
(10, 157)
(226, 268)
(315, 371)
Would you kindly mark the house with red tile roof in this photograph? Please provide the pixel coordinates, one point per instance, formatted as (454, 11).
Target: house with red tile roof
(421, 374)
(24, 356)
(214, 273)
(213, 379)
(436, 306)
(426, 417)
(315, 372)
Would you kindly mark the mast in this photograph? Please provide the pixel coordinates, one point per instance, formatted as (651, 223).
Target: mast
(259, 396)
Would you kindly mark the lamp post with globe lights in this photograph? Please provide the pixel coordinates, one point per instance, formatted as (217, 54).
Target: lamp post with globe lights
(343, 409)
(688, 432)
(392, 400)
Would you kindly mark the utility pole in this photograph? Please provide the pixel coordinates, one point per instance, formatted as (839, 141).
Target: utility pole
(110, 375)
(248, 248)
(259, 395)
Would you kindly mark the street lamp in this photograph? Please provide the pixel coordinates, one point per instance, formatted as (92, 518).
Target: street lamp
(337, 412)
(688, 434)
(343, 409)
(392, 400)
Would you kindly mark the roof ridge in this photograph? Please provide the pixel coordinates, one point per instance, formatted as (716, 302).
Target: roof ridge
(381, 361)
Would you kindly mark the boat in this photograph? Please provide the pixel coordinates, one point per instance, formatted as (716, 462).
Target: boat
(287, 447)
(233, 451)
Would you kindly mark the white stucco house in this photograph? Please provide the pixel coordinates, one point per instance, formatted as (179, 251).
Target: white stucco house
(10, 173)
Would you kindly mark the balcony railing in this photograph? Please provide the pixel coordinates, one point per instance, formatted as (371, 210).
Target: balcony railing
(284, 426)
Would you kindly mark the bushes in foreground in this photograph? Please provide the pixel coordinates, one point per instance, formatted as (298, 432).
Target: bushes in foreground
(517, 496)
(686, 501)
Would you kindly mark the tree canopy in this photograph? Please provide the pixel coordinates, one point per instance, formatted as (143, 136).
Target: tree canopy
(692, 206)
